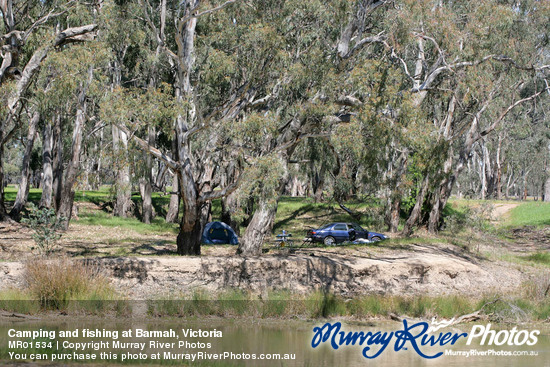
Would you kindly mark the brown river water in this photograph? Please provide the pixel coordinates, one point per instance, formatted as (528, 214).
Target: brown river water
(242, 339)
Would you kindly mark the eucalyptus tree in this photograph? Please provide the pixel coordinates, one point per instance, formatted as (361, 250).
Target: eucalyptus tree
(465, 66)
(132, 64)
(307, 101)
(254, 60)
(502, 73)
(28, 36)
(433, 79)
(195, 190)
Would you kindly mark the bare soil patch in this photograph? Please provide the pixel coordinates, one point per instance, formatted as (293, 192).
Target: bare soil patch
(500, 211)
(529, 239)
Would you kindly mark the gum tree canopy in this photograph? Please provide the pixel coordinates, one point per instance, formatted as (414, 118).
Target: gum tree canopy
(238, 100)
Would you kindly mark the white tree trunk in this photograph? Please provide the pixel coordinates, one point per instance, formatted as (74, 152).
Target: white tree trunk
(23, 191)
(123, 200)
(47, 170)
(67, 193)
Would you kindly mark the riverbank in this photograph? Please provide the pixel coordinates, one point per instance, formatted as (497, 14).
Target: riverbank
(404, 276)
(420, 282)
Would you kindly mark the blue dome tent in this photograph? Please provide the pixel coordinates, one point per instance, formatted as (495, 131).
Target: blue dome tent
(219, 233)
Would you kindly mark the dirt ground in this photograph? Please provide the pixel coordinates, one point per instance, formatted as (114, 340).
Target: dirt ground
(145, 266)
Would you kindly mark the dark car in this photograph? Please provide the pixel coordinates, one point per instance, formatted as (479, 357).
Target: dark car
(341, 232)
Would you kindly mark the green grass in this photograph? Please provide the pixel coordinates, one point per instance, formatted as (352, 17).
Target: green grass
(539, 257)
(18, 300)
(100, 218)
(315, 305)
(294, 214)
(533, 213)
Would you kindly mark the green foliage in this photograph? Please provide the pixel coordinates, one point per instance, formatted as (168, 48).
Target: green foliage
(46, 226)
(261, 180)
(473, 217)
(285, 53)
(139, 108)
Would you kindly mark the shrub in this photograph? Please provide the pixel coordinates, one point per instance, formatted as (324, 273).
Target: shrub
(55, 283)
(47, 228)
(479, 217)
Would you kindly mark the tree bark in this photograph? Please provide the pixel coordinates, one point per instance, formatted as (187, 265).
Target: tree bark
(147, 203)
(229, 206)
(414, 217)
(160, 177)
(67, 193)
(23, 192)
(547, 190)
(264, 217)
(3, 212)
(57, 162)
(229, 203)
(47, 172)
(394, 207)
(547, 181)
(123, 201)
(443, 192)
(189, 236)
(499, 169)
(258, 229)
(396, 175)
(173, 208)
(318, 184)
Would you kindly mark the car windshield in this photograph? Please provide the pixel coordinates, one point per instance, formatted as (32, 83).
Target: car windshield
(357, 227)
(326, 226)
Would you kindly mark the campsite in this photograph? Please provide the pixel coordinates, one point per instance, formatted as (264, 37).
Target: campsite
(454, 273)
(276, 169)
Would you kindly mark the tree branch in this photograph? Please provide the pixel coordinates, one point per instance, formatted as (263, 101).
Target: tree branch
(73, 34)
(150, 149)
(205, 12)
(211, 195)
(33, 65)
(300, 138)
(220, 7)
(506, 111)
(367, 40)
(43, 20)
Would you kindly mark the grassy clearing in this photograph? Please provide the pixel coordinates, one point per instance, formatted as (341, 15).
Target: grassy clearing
(465, 222)
(101, 218)
(534, 213)
(294, 214)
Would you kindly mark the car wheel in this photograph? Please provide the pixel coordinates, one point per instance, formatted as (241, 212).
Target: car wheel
(376, 239)
(329, 241)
